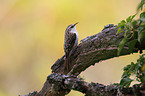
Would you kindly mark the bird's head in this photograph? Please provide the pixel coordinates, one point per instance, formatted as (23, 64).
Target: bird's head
(72, 27)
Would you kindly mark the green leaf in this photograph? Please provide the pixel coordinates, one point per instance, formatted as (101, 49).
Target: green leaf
(123, 21)
(126, 68)
(126, 82)
(125, 74)
(119, 30)
(132, 44)
(128, 19)
(142, 15)
(121, 24)
(141, 36)
(133, 16)
(134, 22)
(141, 5)
(121, 45)
(127, 33)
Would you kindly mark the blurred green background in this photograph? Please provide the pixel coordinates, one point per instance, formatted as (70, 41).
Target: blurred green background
(32, 36)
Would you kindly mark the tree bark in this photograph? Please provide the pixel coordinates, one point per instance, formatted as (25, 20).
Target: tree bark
(91, 50)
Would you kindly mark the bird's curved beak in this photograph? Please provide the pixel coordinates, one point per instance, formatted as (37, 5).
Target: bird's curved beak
(76, 23)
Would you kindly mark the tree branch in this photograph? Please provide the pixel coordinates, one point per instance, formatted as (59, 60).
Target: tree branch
(91, 50)
(61, 85)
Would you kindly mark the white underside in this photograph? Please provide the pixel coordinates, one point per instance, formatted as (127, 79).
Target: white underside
(77, 37)
(74, 30)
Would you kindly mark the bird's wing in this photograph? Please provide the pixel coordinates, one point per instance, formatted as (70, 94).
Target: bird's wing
(70, 42)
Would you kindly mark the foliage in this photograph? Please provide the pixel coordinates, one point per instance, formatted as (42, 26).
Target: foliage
(134, 30)
(141, 5)
(134, 69)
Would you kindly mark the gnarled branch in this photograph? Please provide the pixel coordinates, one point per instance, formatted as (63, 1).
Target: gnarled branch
(91, 50)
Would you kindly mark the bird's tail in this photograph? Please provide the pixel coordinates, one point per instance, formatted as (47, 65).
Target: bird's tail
(66, 64)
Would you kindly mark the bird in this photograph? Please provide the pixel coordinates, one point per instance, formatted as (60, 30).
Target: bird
(70, 43)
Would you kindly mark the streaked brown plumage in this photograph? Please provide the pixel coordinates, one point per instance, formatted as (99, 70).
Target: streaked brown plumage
(70, 43)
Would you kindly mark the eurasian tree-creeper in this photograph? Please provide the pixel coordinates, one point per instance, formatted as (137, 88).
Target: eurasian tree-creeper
(70, 43)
